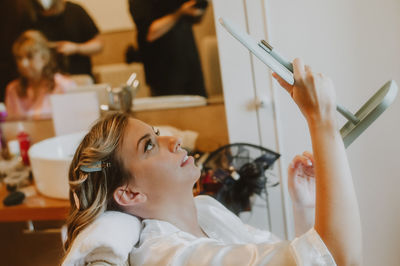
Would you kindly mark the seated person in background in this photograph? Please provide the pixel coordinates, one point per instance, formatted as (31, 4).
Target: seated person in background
(28, 96)
(122, 164)
(73, 33)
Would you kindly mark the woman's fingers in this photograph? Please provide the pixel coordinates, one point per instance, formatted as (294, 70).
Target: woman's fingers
(293, 168)
(309, 155)
(299, 72)
(305, 163)
(308, 73)
(283, 83)
(298, 69)
(313, 93)
(304, 160)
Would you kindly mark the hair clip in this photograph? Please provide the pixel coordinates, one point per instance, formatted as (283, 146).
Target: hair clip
(156, 131)
(95, 167)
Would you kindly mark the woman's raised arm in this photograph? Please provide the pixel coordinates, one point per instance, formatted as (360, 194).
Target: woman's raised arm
(337, 218)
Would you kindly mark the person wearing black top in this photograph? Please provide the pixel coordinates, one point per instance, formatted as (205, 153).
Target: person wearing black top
(167, 45)
(73, 32)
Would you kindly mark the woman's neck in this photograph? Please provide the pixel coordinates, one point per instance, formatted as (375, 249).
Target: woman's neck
(182, 215)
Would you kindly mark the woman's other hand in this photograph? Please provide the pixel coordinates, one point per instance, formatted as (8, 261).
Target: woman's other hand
(313, 93)
(301, 186)
(301, 181)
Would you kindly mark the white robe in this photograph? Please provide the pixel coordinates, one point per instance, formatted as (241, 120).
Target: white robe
(230, 242)
(112, 239)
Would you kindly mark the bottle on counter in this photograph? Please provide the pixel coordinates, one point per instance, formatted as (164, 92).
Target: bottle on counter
(3, 145)
(24, 144)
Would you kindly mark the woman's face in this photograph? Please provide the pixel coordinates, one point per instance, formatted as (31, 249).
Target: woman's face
(158, 163)
(30, 63)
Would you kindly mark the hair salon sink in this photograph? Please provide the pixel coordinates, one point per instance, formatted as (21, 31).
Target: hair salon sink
(50, 160)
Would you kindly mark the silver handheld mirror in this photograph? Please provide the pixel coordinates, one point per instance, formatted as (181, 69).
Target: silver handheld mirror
(357, 123)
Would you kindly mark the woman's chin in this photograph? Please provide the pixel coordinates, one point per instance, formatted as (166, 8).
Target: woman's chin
(196, 176)
(198, 173)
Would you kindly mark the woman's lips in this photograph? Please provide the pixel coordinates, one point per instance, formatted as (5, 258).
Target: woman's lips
(186, 160)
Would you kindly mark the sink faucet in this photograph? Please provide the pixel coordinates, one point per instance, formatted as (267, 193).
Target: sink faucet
(121, 98)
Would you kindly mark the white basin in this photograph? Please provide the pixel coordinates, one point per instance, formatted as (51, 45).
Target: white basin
(168, 102)
(50, 160)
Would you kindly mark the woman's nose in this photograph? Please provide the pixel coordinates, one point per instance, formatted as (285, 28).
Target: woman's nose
(175, 144)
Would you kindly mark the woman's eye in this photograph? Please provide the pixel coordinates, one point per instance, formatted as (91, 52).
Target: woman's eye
(148, 146)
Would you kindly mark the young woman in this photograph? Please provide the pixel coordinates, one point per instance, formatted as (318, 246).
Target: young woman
(28, 96)
(122, 164)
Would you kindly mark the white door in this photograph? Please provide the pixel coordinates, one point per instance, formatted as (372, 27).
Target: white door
(246, 84)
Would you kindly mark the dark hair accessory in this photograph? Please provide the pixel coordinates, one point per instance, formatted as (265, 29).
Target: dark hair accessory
(95, 167)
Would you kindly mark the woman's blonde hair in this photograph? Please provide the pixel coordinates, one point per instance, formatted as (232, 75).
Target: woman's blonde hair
(91, 191)
(33, 42)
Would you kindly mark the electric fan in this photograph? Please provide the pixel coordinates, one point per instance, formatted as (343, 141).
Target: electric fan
(235, 172)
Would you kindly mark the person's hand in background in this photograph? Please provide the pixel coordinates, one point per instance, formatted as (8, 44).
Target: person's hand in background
(91, 47)
(67, 48)
(189, 9)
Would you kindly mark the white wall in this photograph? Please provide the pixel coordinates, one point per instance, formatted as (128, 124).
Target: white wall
(356, 43)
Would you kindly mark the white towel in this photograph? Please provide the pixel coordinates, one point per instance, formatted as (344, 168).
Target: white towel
(110, 238)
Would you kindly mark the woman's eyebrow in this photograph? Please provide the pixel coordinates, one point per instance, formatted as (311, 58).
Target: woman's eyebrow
(142, 138)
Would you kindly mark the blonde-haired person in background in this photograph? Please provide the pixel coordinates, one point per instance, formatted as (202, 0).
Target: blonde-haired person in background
(123, 164)
(28, 96)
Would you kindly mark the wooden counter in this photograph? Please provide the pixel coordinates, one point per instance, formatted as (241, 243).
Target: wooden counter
(34, 208)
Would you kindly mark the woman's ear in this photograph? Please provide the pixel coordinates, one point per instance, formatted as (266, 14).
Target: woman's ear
(127, 196)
